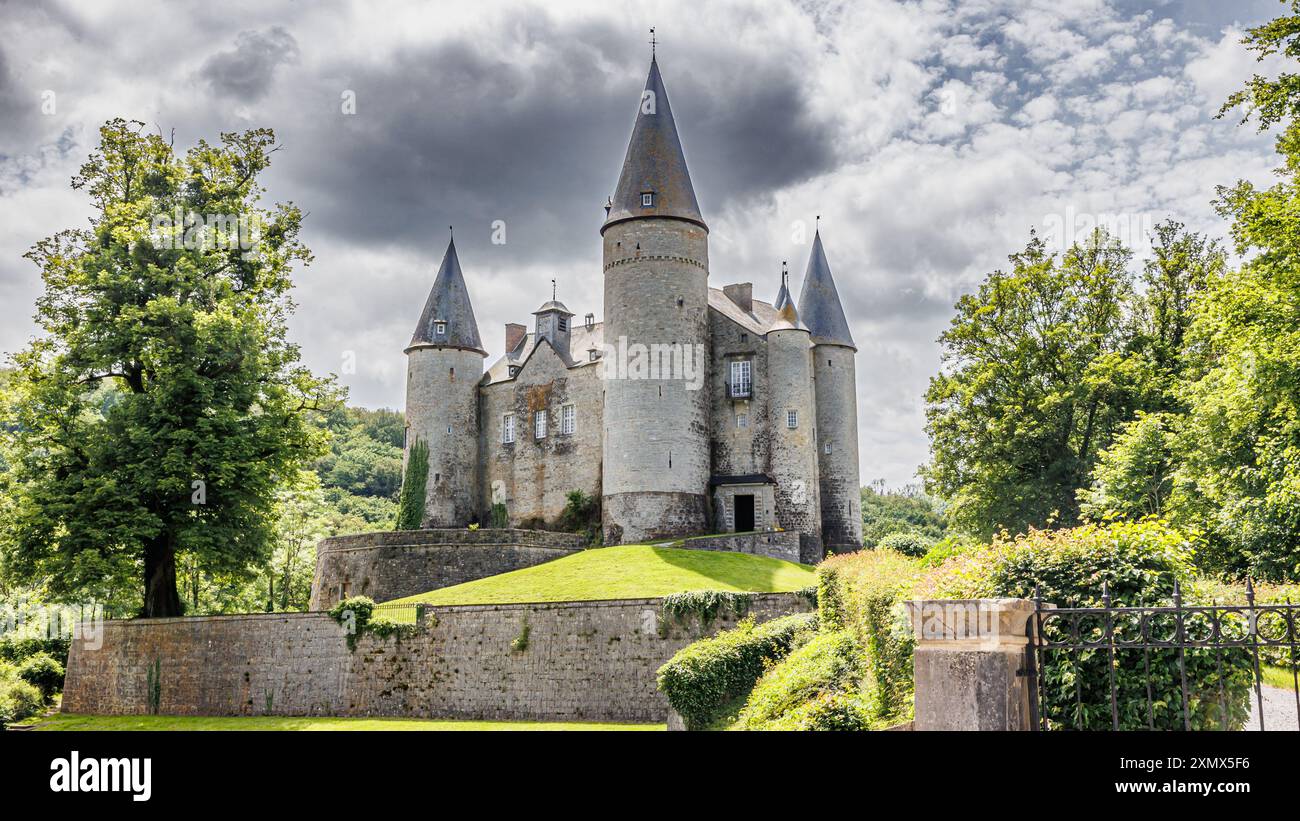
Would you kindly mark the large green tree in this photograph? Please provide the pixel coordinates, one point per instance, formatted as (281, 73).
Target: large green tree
(1037, 375)
(175, 301)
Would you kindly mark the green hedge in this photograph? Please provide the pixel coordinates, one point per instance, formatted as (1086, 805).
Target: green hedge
(702, 679)
(819, 686)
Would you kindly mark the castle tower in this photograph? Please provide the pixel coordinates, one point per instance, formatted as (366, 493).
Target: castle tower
(794, 420)
(656, 266)
(835, 381)
(444, 365)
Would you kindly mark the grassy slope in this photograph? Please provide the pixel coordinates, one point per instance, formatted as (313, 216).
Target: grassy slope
(66, 721)
(627, 572)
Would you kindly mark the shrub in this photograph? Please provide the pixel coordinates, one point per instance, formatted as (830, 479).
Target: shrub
(18, 699)
(816, 687)
(356, 614)
(905, 542)
(1140, 563)
(581, 514)
(703, 678)
(706, 604)
(44, 672)
(14, 649)
(410, 504)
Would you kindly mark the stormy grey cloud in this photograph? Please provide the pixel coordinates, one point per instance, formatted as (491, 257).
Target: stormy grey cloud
(247, 70)
(930, 137)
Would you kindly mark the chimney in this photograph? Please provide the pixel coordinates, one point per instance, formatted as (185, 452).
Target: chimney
(515, 334)
(742, 293)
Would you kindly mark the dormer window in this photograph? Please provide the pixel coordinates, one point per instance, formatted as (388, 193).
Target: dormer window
(647, 199)
(440, 328)
(514, 371)
(591, 354)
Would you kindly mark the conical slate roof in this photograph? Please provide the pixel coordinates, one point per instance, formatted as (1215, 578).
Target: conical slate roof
(821, 310)
(787, 313)
(448, 303)
(654, 164)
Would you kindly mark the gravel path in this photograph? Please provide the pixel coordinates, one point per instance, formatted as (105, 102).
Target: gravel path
(1279, 710)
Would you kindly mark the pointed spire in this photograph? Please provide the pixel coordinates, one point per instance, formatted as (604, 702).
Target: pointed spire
(821, 310)
(787, 316)
(448, 317)
(655, 164)
(783, 295)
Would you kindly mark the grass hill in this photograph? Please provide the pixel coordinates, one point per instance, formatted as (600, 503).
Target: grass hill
(627, 572)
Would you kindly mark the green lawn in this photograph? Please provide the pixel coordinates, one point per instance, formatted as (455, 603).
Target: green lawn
(627, 572)
(67, 721)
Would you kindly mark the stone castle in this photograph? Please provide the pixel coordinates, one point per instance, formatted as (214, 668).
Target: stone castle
(687, 410)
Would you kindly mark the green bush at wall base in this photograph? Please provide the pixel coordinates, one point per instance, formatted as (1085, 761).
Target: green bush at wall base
(44, 672)
(702, 678)
(819, 686)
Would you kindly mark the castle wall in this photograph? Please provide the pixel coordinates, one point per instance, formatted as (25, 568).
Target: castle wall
(442, 410)
(533, 477)
(656, 432)
(735, 450)
(593, 661)
(401, 563)
(794, 450)
(837, 437)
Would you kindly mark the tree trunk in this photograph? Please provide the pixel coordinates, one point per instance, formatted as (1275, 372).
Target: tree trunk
(160, 596)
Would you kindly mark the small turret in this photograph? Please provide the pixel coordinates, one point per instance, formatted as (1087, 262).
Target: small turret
(835, 378)
(444, 365)
(794, 421)
(552, 324)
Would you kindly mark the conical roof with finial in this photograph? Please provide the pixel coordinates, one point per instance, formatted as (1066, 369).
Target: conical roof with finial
(787, 312)
(819, 302)
(655, 164)
(448, 303)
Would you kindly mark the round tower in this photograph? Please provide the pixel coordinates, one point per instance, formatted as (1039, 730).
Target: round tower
(793, 451)
(444, 365)
(836, 397)
(656, 266)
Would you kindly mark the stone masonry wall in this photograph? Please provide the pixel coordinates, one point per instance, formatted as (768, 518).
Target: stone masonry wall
(394, 564)
(837, 442)
(788, 545)
(589, 661)
(532, 477)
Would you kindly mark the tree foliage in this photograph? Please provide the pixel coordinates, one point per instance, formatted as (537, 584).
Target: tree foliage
(162, 406)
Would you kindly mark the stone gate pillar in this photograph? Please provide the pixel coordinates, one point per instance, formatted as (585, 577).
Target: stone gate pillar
(970, 654)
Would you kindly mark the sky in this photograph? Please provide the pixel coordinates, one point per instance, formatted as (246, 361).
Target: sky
(930, 137)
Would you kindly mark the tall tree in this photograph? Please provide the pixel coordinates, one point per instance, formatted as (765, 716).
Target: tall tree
(1036, 377)
(176, 296)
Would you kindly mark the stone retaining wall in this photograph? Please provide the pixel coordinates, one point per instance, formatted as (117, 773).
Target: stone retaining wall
(787, 544)
(589, 661)
(394, 564)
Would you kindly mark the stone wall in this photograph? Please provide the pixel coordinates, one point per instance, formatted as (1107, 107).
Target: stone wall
(532, 477)
(394, 564)
(835, 383)
(788, 545)
(590, 661)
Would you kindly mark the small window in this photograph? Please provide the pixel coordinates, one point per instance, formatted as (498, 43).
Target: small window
(744, 337)
(508, 429)
(514, 371)
(452, 374)
(591, 355)
(539, 425)
(792, 419)
(827, 447)
(440, 328)
(564, 323)
(742, 420)
(449, 428)
(647, 200)
(741, 379)
(568, 420)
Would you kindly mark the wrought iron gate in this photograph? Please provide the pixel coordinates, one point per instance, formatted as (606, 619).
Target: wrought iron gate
(1172, 667)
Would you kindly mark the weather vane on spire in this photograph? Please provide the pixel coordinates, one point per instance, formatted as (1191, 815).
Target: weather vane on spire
(784, 273)
(819, 222)
(552, 289)
(652, 42)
